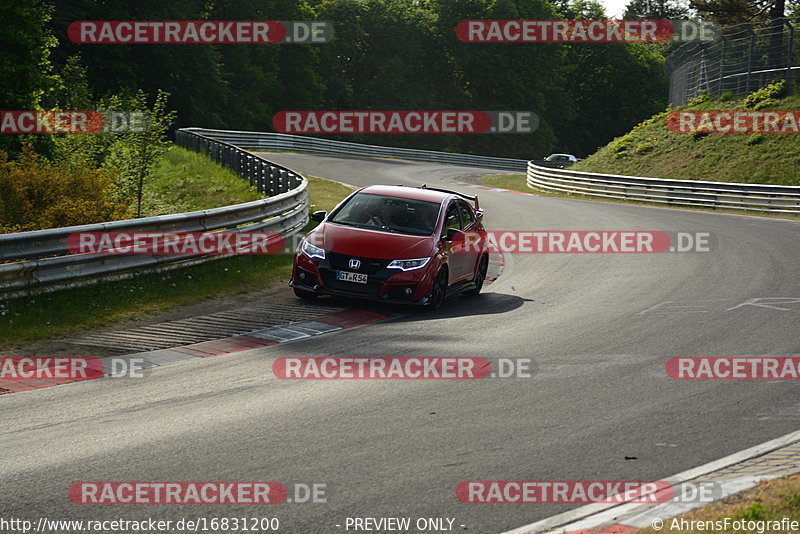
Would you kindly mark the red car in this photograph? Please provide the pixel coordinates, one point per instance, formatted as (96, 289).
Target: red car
(394, 243)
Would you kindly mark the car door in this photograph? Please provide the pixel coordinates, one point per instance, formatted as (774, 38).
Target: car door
(469, 224)
(457, 259)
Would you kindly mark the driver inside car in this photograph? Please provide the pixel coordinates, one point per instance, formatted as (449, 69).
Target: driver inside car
(378, 213)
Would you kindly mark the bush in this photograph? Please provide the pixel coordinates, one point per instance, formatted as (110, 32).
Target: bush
(701, 97)
(646, 146)
(36, 194)
(131, 155)
(620, 145)
(766, 95)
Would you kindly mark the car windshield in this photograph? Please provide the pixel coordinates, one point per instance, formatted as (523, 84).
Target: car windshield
(389, 214)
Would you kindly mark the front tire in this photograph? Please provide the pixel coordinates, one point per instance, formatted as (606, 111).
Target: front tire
(439, 290)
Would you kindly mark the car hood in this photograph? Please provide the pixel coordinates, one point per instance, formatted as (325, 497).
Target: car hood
(370, 243)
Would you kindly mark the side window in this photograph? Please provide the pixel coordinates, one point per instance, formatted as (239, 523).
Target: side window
(466, 213)
(451, 219)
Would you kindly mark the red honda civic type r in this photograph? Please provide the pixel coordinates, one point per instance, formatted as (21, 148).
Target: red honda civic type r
(394, 243)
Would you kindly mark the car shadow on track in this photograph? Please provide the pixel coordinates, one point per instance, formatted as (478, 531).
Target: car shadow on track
(486, 303)
(465, 305)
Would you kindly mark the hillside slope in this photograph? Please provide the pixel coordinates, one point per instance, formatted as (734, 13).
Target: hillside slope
(652, 150)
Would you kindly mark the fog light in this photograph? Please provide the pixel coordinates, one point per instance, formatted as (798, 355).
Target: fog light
(409, 291)
(302, 276)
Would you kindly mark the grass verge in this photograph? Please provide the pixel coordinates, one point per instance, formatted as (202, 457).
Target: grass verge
(652, 150)
(184, 181)
(69, 311)
(770, 500)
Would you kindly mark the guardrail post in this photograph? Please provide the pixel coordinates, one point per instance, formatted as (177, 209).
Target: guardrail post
(259, 175)
(750, 61)
(274, 180)
(721, 76)
(282, 182)
(789, 47)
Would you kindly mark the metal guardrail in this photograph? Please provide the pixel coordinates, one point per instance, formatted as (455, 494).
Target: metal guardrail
(285, 211)
(723, 195)
(275, 142)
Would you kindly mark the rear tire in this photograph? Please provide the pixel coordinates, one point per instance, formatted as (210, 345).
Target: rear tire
(480, 276)
(305, 295)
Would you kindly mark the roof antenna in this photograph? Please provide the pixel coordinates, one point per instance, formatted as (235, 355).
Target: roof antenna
(424, 186)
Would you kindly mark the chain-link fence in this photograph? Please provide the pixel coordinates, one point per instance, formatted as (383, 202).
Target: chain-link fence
(738, 59)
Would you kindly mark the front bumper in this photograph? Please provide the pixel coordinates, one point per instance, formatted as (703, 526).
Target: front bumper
(383, 285)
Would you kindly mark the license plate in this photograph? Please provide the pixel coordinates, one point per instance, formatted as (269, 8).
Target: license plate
(351, 277)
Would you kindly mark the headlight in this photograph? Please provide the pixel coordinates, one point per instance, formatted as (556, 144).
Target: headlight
(312, 251)
(408, 265)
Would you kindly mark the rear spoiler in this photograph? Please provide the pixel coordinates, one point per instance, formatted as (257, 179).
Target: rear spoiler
(472, 198)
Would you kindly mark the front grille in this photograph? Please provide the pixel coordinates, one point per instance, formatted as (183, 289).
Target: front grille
(341, 262)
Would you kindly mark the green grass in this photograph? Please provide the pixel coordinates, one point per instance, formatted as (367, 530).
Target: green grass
(651, 150)
(324, 195)
(186, 181)
(514, 182)
(70, 311)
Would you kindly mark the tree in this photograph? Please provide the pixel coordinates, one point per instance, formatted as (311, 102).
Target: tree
(191, 72)
(655, 10)
(25, 73)
(387, 55)
(134, 154)
(730, 12)
(506, 76)
(613, 86)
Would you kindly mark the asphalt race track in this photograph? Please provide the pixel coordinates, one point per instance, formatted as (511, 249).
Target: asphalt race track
(598, 328)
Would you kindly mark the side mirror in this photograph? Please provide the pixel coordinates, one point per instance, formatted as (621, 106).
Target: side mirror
(479, 214)
(455, 235)
(319, 216)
